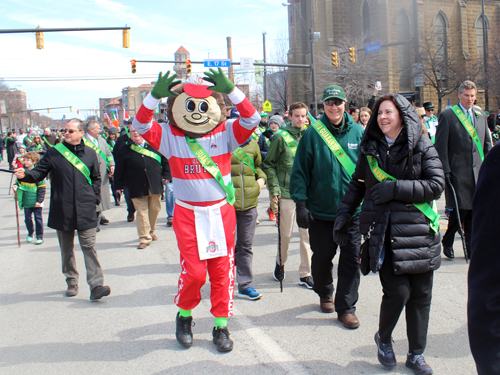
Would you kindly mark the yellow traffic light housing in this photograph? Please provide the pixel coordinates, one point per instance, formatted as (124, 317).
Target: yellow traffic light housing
(126, 38)
(188, 66)
(39, 39)
(71, 109)
(133, 66)
(335, 59)
(352, 54)
(77, 111)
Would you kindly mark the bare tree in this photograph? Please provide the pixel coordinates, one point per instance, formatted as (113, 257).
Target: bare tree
(494, 65)
(277, 80)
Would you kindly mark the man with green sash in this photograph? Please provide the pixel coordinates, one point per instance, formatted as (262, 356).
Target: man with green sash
(278, 168)
(431, 121)
(75, 191)
(106, 167)
(462, 141)
(48, 138)
(323, 167)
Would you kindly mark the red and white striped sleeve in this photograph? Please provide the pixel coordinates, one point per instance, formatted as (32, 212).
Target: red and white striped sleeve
(242, 128)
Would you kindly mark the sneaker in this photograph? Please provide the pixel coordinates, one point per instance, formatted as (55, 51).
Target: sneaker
(385, 353)
(72, 290)
(307, 282)
(271, 214)
(29, 239)
(99, 291)
(221, 339)
(249, 293)
(417, 363)
(279, 272)
(183, 332)
(39, 241)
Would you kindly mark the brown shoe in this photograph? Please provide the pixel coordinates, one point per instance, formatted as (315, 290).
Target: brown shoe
(153, 237)
(130, 218)
(349, 320)
(142, 245)
(72, 290)
(326, 304)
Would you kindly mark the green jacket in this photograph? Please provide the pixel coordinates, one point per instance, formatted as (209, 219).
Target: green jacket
(318, 178)
(279, 161)
(30, 193)
(244, 178)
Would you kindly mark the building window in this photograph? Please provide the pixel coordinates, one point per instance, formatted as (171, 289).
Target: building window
(479, 36)
(404, 54)
(441, 43)
(366, 21)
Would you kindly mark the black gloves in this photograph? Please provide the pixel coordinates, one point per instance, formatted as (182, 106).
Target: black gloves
(341, 228)
(268, 133)
(304, 217)
(383, 192)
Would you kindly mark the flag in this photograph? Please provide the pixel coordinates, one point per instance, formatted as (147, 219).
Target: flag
(113, 117)
(117, 116)
(106, 117)
(126, 117)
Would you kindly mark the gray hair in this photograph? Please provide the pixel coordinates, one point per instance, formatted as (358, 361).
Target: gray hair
(79, 123)
(467, 85)
(91, 124)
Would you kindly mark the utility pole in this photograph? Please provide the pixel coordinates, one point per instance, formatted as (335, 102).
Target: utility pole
(485, 56)
(313, 77)
(230, 57)
(265, 68)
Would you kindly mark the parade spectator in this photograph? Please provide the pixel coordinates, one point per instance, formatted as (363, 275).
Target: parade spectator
(18, 161)
(141, 168)
(37, 145)
(248, 180)
(278, 166)
(484, 278)
(364, 116)
(265, 139)
(317, 195)
(30, 197)
(48, 138)
(74, 193)
(111, 140)
(106, 167)
(397, 169)
(20, 138)
(462, 141)
(2, 146)
(430, 120)
(28, 140)
(122, 139)
(10, 145)
(354, 112)
(421, 113)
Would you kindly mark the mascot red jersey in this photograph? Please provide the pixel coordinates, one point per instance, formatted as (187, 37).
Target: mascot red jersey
(198, 142)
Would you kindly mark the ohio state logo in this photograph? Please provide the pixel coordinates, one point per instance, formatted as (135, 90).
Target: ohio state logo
(212, 247)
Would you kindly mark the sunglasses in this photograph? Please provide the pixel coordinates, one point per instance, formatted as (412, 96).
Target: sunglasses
(331, 102)
(430, 110)
(70, 131)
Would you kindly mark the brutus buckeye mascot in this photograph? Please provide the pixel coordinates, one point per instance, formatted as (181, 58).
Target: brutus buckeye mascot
(198, 142)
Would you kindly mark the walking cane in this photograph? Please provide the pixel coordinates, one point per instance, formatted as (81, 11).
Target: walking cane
(279, 245)
(17, 217)
(460, 229)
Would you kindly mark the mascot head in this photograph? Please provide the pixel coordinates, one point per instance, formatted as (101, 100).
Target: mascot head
(196, 110)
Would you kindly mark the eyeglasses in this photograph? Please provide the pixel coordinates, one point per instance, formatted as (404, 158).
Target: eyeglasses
(70, 131)
(429, 110)
(331, 102)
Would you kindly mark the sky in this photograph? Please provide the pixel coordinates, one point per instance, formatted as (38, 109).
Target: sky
(158, 29)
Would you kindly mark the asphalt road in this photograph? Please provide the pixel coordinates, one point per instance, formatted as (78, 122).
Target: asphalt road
(133, 330)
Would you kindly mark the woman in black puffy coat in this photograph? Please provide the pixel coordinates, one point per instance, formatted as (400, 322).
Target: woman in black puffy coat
(403, 243)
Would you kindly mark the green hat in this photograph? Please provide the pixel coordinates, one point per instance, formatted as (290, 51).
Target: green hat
(333, 92)
(263, 114)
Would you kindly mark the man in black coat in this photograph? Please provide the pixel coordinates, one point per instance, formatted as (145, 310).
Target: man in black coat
(48, 138)
(122, 139)
(141, 168)
(484, 279)
(10, 145)
(75, 191)
(461, 159)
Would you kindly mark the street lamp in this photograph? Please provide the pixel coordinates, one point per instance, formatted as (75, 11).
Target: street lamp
(313, 38)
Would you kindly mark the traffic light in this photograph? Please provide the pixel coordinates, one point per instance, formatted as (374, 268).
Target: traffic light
(335, 59)
(39, 39)
(188, 66)
(126, 38)
(352, 54)
(71, 109)
(133, 66)
(48, 110)
(77, 111)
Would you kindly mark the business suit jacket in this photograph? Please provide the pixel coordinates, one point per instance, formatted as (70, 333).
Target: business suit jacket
(459, 154)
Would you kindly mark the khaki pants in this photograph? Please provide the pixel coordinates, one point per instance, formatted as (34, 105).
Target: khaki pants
(147, 209)
(273, 204)
(286, 223)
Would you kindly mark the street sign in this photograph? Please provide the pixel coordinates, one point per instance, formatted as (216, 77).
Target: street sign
(246, 63)
(418, 81)
(373, 46)
(267, 107)
(219, 63)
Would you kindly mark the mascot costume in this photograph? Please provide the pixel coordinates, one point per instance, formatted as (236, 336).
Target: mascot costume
(198, 142)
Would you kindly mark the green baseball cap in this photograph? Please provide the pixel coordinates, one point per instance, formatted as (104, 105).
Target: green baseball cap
(264, 115)
(333, 92)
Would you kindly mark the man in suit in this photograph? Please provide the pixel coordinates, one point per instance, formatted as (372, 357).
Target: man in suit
(122, 139)
(462, 141)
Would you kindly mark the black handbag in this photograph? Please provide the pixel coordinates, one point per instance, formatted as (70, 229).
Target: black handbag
(364, 253)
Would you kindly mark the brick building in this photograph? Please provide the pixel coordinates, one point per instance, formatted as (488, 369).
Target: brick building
(181, 55)
(454, 27)
(132, 97)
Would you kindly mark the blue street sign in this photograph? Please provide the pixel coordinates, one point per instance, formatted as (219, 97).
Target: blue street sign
(373, 46)
(220, 63)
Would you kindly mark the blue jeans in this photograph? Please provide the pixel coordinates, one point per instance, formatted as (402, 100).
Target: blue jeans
(37, 212)
(169, 199)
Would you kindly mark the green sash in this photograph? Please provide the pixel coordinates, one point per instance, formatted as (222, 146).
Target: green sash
(73, 159)
(47, 142)
(145, 152)
(240, 154)
(211, 167)
(98, 151)
(256, 134)
(429, 212)
(333, 145)
(6, 139)
(469, 127)
(290, 142)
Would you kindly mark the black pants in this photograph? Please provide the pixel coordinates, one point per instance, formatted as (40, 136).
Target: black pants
(130, 204)
(466, 219)
(411, 290)
(37, 213)
(324, 249)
